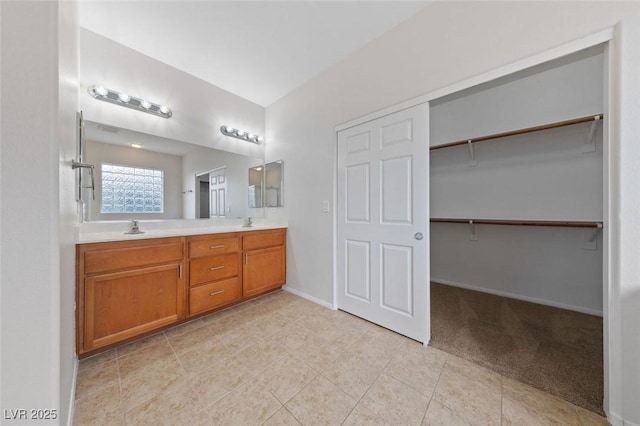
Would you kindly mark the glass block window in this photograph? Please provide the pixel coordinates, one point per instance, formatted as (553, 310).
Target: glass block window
(131, 190)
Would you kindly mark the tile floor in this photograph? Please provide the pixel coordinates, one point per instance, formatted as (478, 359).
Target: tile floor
(281, 360)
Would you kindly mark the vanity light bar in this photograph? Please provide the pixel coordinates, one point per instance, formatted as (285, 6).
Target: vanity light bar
(122, 99)
(240, 134)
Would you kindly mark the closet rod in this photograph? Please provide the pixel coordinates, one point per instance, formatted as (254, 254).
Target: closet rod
(567, 224)
(521, 131)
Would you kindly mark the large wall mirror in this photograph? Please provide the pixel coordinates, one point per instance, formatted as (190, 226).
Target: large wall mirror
(140, 176)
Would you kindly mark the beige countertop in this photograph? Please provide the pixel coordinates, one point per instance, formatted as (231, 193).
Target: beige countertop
(99, 232)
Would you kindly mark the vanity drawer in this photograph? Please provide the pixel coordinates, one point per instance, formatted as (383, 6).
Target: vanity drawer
(263, 239)
(213, 245)
(213, 268)
(209, 296)
(106, 257)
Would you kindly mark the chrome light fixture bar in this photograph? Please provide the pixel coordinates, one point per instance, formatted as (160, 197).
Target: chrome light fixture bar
(122, 99)
(240, 134)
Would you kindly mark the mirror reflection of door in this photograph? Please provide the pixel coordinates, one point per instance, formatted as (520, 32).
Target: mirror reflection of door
(256, 180)
(274, 184)
(218, 191)
(212, 188)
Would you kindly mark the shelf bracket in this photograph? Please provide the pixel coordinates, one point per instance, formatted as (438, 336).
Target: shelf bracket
(590, 240)
(595, 233)
(590, 146)
(474, 231)
(472, 155)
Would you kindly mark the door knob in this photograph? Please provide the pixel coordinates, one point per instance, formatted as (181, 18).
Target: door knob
(418, 236)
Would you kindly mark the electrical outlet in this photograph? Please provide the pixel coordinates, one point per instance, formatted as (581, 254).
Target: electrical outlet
(325, 206)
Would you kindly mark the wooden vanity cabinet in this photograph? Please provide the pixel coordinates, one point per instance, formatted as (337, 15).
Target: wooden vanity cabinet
(128, 288)
(263, 261)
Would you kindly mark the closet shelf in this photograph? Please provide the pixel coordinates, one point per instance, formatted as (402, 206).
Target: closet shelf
(548, 126)
(567, 224)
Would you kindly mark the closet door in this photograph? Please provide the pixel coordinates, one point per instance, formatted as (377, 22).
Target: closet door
(383, 222)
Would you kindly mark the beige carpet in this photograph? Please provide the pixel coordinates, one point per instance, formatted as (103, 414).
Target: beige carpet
(552, 349)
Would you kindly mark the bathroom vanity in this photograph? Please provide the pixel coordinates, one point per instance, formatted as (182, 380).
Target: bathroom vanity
(130, 287)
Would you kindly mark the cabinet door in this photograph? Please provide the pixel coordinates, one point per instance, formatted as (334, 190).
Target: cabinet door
(263, 270)
(125, 304)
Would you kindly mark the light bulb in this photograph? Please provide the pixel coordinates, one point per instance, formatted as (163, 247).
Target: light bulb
(100, 90)
(164, 109)
(241, 134)
(229, 129)
(145, 104)
(251, 135)
(259, 139)
(136, 145)
(124, 97)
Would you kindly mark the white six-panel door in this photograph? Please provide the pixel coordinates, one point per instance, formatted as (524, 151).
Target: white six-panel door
(218, 189)
(383, 222)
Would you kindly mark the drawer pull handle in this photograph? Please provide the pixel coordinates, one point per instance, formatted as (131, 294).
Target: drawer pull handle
(213, 293)
(216, 247)
(215, 268)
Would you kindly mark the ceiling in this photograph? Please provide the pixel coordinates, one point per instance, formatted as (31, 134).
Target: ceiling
(257, 50)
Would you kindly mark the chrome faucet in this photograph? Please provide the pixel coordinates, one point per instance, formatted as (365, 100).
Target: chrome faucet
(247, 222)
(135, 229)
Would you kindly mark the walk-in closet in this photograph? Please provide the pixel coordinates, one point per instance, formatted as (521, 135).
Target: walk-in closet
(516, 198)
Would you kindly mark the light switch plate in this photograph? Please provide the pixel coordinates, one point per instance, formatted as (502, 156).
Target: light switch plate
(325, 206)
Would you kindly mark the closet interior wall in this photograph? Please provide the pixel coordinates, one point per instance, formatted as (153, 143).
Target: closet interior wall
(549, 175)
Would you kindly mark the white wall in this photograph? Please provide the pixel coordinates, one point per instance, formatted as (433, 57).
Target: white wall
(538, 176)
(39, 101)
(562, 89)
(199, 108)
(237, 174)
(542, 175)
(447, 43)
(545, 265)
(68, 105)
(98, 153)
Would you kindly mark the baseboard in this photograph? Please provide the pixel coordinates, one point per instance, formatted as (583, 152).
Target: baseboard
(615, 420)
(520, 297)
(310, 298)
(72, 399)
